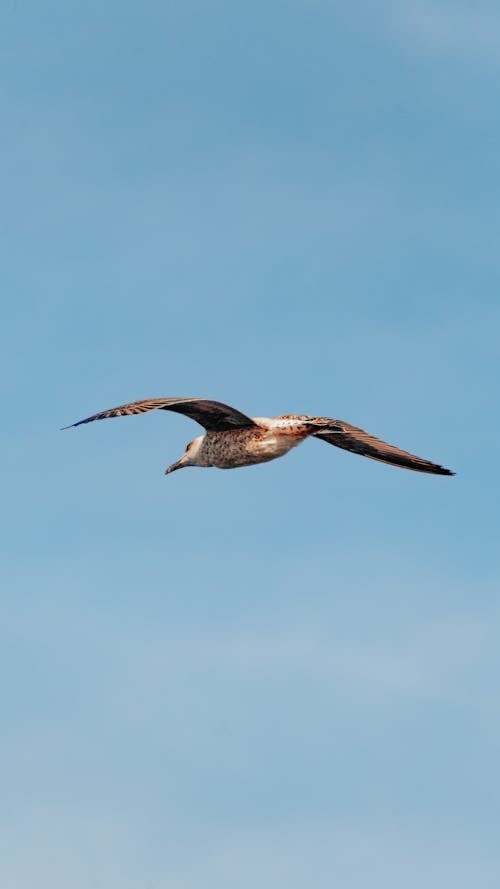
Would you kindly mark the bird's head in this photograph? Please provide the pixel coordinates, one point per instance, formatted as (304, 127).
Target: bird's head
(190, 456)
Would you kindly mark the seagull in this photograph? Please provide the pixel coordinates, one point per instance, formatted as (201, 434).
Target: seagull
(232, 439)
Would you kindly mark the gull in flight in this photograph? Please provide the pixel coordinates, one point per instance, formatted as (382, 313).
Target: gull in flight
(232, 439)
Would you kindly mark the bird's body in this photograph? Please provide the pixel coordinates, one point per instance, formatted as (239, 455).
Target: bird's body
(232, 439)
(266, 440)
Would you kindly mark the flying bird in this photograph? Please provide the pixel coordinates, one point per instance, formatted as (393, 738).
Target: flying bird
(232, 439)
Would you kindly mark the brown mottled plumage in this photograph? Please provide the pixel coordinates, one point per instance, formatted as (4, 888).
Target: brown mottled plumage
(232, 439)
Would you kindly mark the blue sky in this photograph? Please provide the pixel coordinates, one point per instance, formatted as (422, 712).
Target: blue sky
(288, 674)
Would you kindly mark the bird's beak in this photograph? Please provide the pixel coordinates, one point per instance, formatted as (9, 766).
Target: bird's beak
(174, 466)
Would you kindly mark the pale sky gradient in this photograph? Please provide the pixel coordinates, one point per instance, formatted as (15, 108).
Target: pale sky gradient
(285, 675)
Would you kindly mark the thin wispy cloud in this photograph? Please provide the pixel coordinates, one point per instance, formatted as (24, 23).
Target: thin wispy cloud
(322, 851)
(453, 30)
(445, 661)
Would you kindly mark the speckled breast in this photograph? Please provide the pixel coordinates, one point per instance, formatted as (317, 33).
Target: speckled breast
(244, 447)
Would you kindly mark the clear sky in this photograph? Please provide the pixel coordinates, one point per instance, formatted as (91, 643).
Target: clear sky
(286, 675)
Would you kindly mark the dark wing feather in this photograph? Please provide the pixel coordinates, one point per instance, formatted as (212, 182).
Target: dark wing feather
(213, 415)
(351, 438)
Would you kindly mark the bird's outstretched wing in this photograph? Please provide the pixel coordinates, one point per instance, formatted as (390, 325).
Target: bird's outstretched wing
(351, 438)
(213, 415)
